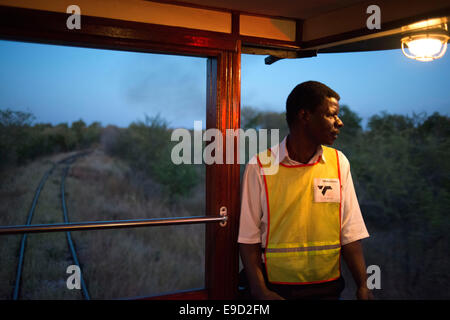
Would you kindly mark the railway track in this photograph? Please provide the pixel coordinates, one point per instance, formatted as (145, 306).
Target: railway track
(66, 162)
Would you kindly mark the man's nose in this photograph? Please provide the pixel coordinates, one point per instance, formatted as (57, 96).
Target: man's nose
(339, 122)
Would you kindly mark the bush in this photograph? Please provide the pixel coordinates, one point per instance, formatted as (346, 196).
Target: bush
(21, 141)
(14, 136)
(147, 147)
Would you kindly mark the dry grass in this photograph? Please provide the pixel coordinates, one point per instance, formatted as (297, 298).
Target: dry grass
(16, 194)
(115, 263)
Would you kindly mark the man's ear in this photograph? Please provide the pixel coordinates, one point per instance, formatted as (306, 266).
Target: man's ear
(303, 115)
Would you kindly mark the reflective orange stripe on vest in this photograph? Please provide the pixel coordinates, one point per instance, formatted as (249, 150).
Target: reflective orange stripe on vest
(304, 226)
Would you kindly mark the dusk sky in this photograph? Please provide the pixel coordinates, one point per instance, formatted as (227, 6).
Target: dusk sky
(63, 84)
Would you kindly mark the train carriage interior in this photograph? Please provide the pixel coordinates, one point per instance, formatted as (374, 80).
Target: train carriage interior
(106, 188)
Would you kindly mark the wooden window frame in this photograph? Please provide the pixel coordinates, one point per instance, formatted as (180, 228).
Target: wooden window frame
(223, 53)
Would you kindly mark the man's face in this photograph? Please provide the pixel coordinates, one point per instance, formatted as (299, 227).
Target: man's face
(324, 124)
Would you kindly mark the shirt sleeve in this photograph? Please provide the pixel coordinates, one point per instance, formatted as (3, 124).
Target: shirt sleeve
(251, 211)
(353, 227)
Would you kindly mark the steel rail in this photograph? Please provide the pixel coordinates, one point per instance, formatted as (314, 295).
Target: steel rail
(29, 219)
(113, 224)
(24, 237)
(69, 237)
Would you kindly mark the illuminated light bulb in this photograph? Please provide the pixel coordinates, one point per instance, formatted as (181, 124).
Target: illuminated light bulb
(425, 47)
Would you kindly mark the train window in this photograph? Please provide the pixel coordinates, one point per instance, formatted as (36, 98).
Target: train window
(85, 135)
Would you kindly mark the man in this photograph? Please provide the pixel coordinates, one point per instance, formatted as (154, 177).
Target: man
(296, 223)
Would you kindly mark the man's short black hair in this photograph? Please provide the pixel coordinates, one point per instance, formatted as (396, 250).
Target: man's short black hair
(307, 95)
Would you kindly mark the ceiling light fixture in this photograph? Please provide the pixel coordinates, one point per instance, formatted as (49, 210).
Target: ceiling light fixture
(426, 45)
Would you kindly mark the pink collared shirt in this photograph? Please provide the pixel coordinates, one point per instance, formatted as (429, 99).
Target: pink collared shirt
(253, 220)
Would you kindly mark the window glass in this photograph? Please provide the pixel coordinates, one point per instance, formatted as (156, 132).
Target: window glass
(101, 121)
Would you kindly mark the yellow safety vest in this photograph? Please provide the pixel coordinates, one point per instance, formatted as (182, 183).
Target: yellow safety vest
(304, 225)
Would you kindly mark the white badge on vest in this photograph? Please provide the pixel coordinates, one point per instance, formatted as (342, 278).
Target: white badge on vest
(326, 190)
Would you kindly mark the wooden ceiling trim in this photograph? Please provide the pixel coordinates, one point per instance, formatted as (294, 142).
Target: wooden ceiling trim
(264, 27)
(138, 11)
(50, 27)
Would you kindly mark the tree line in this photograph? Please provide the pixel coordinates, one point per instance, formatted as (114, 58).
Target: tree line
(144, 145)
(22, 141)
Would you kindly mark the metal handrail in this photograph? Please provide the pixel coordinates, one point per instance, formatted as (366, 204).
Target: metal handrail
(114, 224)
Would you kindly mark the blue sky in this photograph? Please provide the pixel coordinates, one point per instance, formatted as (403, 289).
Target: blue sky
(64, 84)
(369, 82)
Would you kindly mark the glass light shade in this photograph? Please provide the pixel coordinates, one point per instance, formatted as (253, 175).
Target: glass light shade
(425, 47)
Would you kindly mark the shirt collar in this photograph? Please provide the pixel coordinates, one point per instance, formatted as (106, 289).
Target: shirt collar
(284, 155)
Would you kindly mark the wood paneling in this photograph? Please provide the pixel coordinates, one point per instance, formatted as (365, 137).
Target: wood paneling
(271, 28)
(50, 27)
(222, 180)
(137, 11)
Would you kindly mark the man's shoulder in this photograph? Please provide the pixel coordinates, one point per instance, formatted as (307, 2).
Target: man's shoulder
(262, 156)
(253, 160)
(252, 165)
(343, 160)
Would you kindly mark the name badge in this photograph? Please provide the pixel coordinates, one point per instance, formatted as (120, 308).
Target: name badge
(326, 190)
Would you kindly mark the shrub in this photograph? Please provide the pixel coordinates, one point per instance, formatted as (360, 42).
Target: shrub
(147, 147)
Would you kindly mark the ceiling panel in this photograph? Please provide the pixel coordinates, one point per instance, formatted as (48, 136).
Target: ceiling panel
(298, 9)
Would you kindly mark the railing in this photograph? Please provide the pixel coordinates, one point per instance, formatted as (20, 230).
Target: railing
(114, 224)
